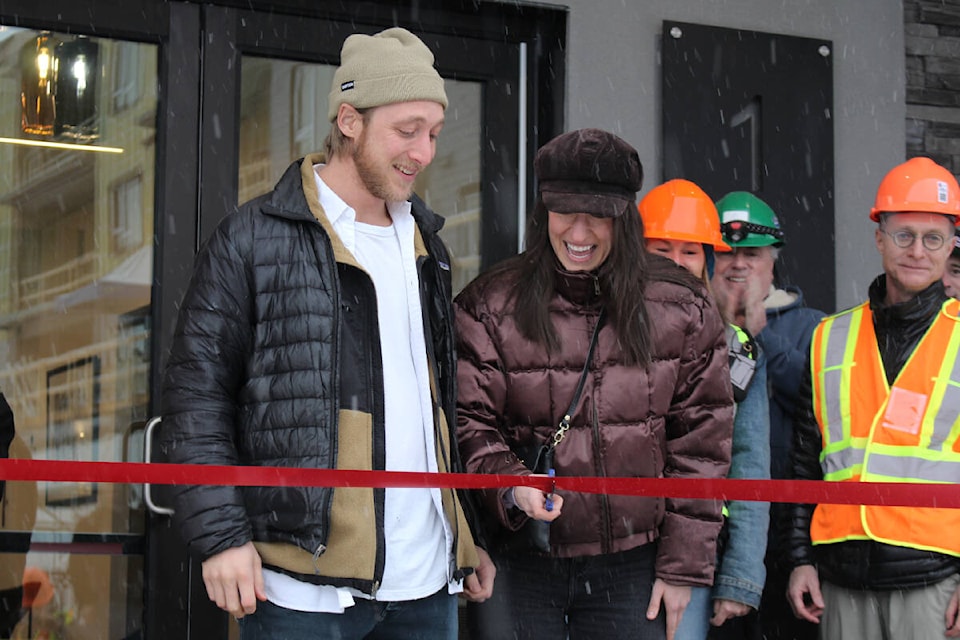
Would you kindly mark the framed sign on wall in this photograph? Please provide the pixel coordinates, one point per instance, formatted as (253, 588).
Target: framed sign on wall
(73, 423)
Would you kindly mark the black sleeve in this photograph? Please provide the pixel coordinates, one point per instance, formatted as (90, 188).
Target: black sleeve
(804, 465)
(204, 371)
(7, 431)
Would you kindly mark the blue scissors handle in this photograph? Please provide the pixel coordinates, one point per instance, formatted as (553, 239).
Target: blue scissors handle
(549, 504)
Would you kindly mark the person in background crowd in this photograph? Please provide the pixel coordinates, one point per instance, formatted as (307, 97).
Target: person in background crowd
(880, 403)
(317, 332)
(11, 563)
(656, 401)
(951, 274)
(7, 432)
(744, 287)
(680, 223)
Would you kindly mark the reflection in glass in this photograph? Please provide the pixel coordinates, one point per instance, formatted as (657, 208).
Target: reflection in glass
(79, 68)
(283, 116)
(76, 269)
(38, 83)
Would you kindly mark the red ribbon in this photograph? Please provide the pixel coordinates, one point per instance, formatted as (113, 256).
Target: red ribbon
(805, 491)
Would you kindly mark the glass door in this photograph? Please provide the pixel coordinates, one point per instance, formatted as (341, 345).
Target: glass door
(265, 79)
(77, 172)
(119, 152)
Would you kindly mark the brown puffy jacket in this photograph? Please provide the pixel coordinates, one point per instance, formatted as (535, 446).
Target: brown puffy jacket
(673, 418)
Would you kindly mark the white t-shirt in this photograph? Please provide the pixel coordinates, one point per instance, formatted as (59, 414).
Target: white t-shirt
(417, 535)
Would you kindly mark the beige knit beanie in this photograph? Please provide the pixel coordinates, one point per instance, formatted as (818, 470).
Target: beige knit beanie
(391, 66)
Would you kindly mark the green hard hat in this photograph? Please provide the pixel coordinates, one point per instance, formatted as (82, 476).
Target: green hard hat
(748, 221)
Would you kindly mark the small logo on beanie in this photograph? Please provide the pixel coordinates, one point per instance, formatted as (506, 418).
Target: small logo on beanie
(346, 86)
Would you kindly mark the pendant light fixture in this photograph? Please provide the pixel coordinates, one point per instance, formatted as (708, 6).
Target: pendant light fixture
(38, 85)
(76, 93)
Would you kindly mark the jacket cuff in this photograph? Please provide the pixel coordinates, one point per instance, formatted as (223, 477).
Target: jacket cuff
(742, 591)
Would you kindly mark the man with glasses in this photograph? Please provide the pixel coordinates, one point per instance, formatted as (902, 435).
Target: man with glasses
(746, 294)
(881, 404)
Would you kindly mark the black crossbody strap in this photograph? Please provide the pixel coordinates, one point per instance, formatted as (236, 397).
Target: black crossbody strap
(565, 421)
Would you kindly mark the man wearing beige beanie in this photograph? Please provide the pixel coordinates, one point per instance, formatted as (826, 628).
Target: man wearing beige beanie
(317, 332)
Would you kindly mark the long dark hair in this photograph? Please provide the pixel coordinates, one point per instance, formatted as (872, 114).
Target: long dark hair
(622, 277)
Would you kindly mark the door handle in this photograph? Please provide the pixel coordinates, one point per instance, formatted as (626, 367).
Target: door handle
(147, 447)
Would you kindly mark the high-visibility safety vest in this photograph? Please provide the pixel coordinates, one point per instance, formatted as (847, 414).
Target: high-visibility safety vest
(872, 432)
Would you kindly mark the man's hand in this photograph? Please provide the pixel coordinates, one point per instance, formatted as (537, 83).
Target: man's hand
(533, 502)
(724, 610)
(805, 583)
(674, 599)
(478, 586)
(953, 615)
(728, 302)
(234, 580)
(754, 313)
(742, 304)
(741, 284)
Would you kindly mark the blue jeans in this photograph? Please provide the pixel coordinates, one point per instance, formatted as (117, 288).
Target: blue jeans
(695, 623)
(740, 572)
(430, 618)
(601, 596)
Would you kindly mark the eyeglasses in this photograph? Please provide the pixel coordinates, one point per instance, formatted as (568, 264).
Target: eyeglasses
(905, 239)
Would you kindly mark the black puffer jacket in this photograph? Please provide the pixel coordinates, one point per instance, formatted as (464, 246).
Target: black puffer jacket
(276, 362)
(865, 564)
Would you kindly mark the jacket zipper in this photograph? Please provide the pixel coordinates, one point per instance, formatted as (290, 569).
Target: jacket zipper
(331, 262)
(437, 403)
(378, 454)
(604, 500)
(606, 534)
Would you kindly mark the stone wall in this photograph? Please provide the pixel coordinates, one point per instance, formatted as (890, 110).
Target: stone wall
(932, 43)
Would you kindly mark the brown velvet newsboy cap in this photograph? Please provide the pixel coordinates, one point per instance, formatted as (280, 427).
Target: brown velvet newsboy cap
(588, 171)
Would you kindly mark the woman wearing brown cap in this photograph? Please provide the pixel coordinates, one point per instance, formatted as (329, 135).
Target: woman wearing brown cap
(654, 400)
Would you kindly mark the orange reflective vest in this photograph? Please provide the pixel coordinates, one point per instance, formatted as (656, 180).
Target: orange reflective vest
(909, 432)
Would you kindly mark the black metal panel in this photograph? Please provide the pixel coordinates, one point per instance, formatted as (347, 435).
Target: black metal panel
(105, 18)
(548, 73)
(106, 544)
(174, 607)
(751, 111)
(219, 117)
(488, 20)
(177, 186)
(500, 148)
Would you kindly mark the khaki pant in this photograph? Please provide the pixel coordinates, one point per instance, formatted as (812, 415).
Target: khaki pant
(910, 614)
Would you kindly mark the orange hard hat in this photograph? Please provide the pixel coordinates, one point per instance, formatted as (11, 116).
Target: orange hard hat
(919, 185)
(680, 210)
(37, 588)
